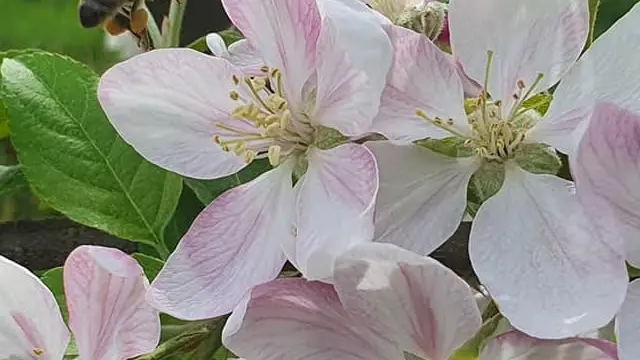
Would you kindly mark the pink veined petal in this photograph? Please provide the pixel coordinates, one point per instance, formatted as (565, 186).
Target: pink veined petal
(541, 259)
(335, 203)
(527, 38)
(30, 319)
(422, 197)
(421, 77)
(165, 103)
(628, 324)
(606, 169)
(515, 345)
(608, 71)
(231, 246)
(413, 301)
(108, 314)
(285, 32)
(354, 57)
(295, 319)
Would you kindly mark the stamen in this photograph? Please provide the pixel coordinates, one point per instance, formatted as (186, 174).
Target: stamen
(274, 155)
(249, 155)
(234, 95)
(37, 352)
(235, 79)
(523, 98)
(438, 122)
(485, 86)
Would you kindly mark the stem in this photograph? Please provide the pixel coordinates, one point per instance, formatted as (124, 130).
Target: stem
(176, 15)
(152, 28)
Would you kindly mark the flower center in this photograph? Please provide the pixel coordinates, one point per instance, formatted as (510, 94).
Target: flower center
(496, 133)
(263, 124)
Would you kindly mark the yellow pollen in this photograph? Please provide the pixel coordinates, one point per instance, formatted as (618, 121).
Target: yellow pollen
(37, 352)
(249, 156)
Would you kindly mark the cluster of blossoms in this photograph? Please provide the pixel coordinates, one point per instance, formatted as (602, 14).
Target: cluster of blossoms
(310, 89)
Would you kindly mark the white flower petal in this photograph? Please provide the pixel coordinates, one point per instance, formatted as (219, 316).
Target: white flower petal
(526, 37)
(515, 345)
(108, 314)
(216, 45)
(232, 245)
(539, 257)
(295, 319)
(421, 77)
(628, 324)
(611, 145)
(608, 71)
(414, 301)
(335, 202)
(165, 103)
(285, 32)
(30, 319)
(422, 197)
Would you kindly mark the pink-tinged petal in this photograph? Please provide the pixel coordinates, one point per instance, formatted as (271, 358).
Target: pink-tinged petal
(606, 169)
(335, 202)
(285, 32)
(108, 314)
(165, 103)
(422, 197)
(413, 301)
(354, 57)
(421, 77)
(527, 38)
(515, 345)
(608, 71)
(240, 53)
(295, 319)
(231, 246)
(30, 319)
(541, 259)
(628, 324)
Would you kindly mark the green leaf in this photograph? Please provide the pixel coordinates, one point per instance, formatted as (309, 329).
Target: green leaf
(189, 207)
(149, 264)
(633, 272)
(199, 44)
(471, 349)
(11, 180)
(4, 120)
(538, 159)
(451, 146)
(54, 281)
(73, 157)
(484, 183)
(539, 102)
(230, 35)
(208, 190)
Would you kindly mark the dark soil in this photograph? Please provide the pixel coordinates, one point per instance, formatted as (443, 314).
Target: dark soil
(44, 244)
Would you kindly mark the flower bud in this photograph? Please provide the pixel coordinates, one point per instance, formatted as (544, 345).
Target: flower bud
(428, 18)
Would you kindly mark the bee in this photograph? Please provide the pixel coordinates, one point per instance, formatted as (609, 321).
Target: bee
(117, 17)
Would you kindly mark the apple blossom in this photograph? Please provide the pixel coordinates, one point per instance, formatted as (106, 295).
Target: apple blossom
(325, 66)
(387, 304)
(606, 168)
(104, 290)
(531, 244)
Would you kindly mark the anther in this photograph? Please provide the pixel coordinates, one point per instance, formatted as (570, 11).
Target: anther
(240, 148)
(37, 352)
(235, 79)
(520, 84)
(264, 69)
(234, 95)
(450, 122)
(216, 139)
(438, 121)
(274, 154)
(249, 155)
